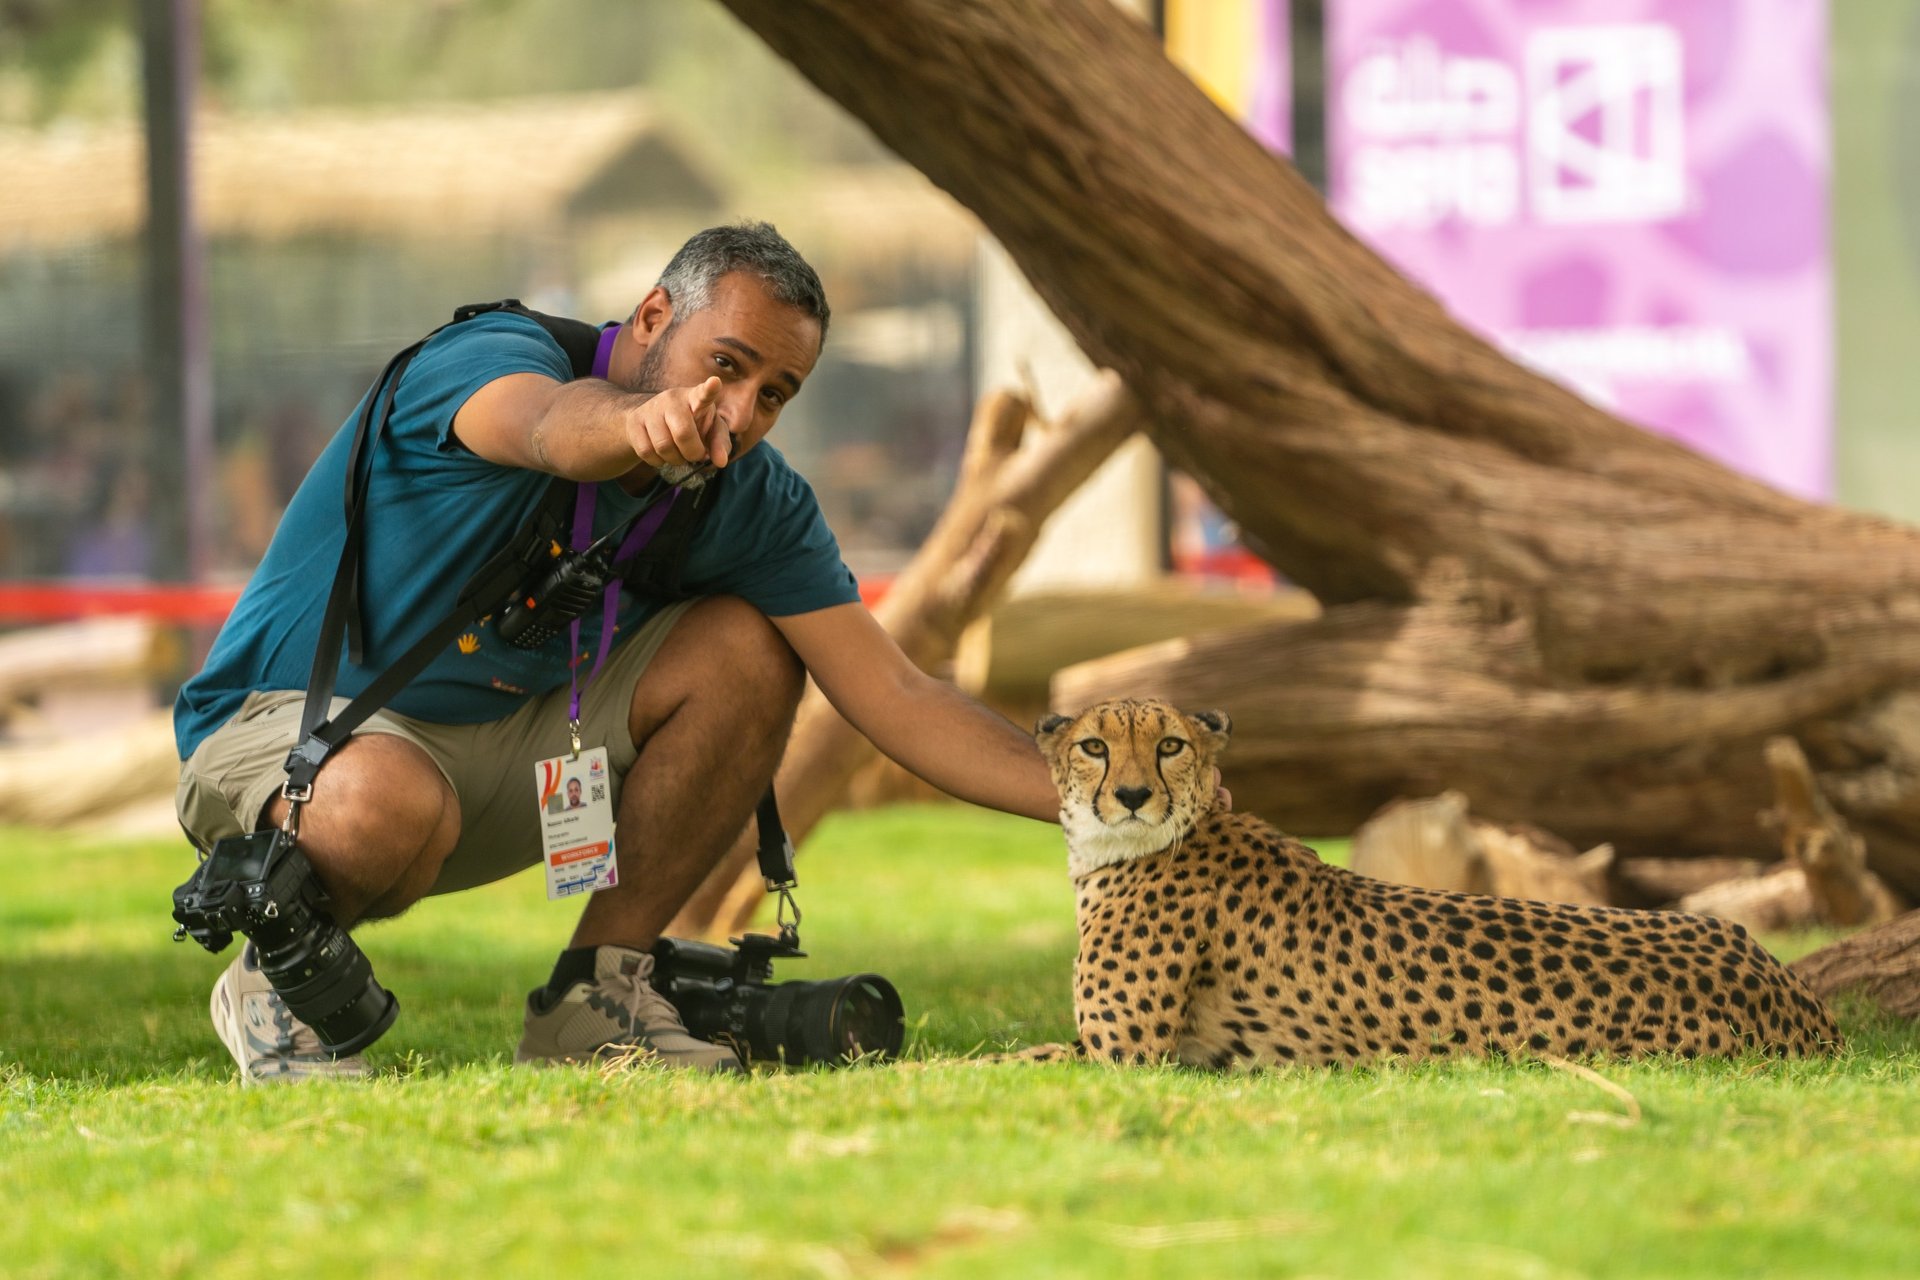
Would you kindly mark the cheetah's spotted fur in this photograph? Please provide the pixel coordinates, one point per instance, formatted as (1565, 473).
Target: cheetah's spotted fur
(1213, 939)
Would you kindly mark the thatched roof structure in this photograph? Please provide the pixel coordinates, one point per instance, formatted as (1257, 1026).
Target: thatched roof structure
(888, 212)
(436, 170)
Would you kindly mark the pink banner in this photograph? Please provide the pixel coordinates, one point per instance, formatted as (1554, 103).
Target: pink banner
(1630, 195)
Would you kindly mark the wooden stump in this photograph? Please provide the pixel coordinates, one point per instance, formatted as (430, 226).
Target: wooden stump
(1436, 844)
(1822, 878)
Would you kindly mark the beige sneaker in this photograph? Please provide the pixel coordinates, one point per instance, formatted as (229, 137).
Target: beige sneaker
(265, 1039)
(617, 1013)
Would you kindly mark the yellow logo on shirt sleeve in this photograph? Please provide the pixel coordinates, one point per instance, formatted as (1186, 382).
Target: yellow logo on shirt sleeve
(469, 643)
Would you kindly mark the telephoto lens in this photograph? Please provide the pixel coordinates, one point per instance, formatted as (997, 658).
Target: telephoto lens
(833, 1021)
(327, 982)
(723, 995)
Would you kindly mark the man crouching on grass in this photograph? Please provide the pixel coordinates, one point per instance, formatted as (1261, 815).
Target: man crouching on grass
(692, 702)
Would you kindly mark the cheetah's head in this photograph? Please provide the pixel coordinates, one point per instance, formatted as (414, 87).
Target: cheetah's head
(1134, 776)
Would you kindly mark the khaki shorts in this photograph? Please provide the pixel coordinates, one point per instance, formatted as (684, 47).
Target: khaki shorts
(233, 773)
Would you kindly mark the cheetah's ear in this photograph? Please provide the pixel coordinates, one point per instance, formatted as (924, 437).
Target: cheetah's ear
(1213, 728)
(1047, 732)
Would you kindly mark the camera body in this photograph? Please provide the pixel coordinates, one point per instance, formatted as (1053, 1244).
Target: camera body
(262, 886)
(726, 995)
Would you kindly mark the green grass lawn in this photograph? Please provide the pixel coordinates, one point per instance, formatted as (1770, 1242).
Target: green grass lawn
(126, 1147)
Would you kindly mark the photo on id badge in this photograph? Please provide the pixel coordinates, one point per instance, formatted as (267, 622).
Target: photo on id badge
(576, 823)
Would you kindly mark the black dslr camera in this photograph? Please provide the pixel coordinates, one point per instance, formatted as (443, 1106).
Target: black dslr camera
(262, 885)
(726, 995)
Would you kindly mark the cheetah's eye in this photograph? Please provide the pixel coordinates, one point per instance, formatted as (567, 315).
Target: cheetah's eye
(1172, 746)
(1094, 747)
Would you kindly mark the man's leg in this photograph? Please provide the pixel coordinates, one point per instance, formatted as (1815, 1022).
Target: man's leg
(710, 716)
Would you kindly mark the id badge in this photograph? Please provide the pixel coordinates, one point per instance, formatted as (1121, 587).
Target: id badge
(576, 823)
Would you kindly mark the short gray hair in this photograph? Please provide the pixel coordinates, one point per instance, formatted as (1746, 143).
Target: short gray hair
(753, 247)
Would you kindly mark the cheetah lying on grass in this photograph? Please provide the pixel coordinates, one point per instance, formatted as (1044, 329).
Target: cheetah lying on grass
(1213, 939)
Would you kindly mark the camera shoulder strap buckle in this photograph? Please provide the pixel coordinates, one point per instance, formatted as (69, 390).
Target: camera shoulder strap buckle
(787, 917)
(303, 765)
(295, 797)
(775, 853)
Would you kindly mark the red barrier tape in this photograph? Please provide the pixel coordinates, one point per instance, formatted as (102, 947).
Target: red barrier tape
(23, 602)
(185, 604)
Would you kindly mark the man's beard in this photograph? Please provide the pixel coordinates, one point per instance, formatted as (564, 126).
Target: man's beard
(651, 376)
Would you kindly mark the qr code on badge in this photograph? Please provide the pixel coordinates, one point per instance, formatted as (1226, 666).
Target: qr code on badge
(599, 792)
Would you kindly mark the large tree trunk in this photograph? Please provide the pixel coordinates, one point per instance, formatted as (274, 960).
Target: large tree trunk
(1575, 622)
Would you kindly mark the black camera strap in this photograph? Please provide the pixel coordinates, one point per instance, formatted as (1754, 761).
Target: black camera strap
(775, 851)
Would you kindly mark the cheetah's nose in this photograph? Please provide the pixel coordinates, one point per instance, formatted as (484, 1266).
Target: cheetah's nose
(1132, 797)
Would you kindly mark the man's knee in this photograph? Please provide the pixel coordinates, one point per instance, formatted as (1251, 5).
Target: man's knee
(723, 654)
(755, 649)
(381, 822)
(377, 781)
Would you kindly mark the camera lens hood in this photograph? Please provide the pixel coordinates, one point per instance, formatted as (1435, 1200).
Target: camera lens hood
(832, 1021)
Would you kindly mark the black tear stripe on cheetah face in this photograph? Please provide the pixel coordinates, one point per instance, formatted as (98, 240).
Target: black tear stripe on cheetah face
(1234, 945)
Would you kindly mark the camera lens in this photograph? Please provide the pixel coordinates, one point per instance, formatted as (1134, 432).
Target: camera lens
(867, 1017)
(328, 983)
(804, 1022)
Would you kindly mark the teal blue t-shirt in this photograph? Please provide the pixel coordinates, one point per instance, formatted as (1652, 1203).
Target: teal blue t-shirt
(436, 512)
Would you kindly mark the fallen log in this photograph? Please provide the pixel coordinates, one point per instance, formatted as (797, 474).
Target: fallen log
(78, 779)
(1881, 964)
(1775, 901)
(1661, 882)
(1004, 495)
(1010, 654)
(82, 653)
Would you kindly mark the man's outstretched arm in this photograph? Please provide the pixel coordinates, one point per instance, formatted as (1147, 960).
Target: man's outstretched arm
(588, 429)
(925, 725)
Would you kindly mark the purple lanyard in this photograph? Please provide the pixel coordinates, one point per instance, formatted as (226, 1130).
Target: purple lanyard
(642, 533)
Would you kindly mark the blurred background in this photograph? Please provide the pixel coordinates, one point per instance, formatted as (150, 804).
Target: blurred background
(1704, 214)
